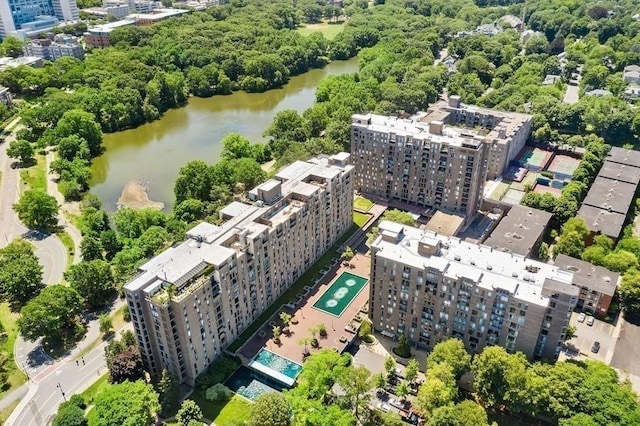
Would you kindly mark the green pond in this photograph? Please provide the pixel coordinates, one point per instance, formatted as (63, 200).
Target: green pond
(154, 153)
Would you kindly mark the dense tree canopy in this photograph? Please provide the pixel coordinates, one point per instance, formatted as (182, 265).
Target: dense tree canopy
(126, 404)
(37, 209)
(50, 314)
(20, 273)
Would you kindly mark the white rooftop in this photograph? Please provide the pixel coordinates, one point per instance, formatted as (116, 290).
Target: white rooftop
(209, 244)
(451, 135)
(489, 268)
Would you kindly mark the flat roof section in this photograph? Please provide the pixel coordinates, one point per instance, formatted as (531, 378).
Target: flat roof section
(587, 275)
(519, 231)
(624, 156)
(621, 172)
(611, 195)
(444, 223)
(599, 220)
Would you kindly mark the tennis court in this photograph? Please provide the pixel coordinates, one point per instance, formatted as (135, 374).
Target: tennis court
(541, 189)
(563, 166)
(534, 159)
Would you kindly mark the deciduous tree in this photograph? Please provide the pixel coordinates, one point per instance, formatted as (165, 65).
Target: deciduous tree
(127, 403)
(20, 273)
(50, 314)
(37, 210)
(453, 353)
(93, 280)
(271, 409)
(189, 411)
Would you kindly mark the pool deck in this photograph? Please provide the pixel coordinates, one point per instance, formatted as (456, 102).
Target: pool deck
(308, 317)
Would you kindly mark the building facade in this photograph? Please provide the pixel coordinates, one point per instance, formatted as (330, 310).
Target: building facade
(597, 284)
(50, 50)
(438, 159)
(14, 14)
(430, 287)
(190, 302)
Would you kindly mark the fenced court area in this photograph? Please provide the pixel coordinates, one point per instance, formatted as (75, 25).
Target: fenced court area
(534, 159)
(563, 166)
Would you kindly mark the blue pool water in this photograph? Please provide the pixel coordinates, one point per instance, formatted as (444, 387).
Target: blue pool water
(250, 384)
(278, 363)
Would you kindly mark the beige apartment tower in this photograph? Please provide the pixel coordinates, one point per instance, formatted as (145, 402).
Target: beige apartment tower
(191, 301)
(436, 159)
(429, 287)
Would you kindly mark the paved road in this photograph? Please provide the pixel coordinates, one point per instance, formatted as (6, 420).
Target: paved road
(50, 251)
(627, 351)
(46, 388)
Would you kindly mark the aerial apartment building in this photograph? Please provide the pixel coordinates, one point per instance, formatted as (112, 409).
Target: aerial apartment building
(429, 287)
(435, 159)
(191, 301)
(50, 50)
(35, 15)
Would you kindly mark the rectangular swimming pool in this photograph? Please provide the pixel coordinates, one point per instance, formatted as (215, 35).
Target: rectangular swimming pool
(276, 367)
(341, 293)
(251, 384)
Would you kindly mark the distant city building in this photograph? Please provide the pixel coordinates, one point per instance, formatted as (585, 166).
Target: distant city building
(438, 159)
(145, 19)
(98, 36)
(190, 302)
(520, 231)
(50, 50)
(599, 93)
(33, 15)
(631, 74)
(429, 287)
(5, 97)
(32, 61)
(607, 203)
(512, 21)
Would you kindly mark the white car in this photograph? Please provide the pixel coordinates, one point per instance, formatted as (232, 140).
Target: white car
(581, 317)
(384, 406)
(590, 320)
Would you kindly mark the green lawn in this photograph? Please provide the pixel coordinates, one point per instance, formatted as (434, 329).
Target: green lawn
(360, 218)
(362, 204)
(329, 31)
(67, 242)
(35, 177)
(232, 412)
(307, 278)
(15, 376)
(95, 388)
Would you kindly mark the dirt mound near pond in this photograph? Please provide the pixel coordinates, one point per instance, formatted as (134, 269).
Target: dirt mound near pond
(134, 195)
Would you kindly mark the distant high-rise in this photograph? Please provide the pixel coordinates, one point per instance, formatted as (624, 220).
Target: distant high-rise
(435, 159)
(15, 14)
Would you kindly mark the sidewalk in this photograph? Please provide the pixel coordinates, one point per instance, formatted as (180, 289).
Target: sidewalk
(52, 189)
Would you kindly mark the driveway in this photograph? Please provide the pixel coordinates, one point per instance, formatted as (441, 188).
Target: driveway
(627, 351)
(585, 336)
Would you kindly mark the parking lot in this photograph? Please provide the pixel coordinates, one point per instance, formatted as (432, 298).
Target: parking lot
(586, 335)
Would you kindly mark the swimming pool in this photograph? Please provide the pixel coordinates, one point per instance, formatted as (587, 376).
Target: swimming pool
(250, 384)
(276, 367)
(341, 293)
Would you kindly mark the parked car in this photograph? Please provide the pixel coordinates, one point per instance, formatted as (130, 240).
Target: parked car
(590, 320)
(581, 317)
(595, 347)
(384, 406)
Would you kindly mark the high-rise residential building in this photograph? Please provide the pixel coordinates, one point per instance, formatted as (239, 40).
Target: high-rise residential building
(435, 159)
(16, 14)
(191, 301)
(429, 287)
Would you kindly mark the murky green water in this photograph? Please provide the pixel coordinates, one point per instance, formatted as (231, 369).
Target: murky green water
(154, 152)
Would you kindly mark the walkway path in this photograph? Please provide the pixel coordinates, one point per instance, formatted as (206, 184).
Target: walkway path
(52, 189)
